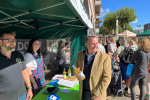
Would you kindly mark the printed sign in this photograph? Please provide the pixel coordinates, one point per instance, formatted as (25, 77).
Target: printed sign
(89, 31)
(22, 46)
(80, 9)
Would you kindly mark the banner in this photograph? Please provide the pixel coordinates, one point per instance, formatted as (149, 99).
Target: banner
(22, 46)
(81, 11)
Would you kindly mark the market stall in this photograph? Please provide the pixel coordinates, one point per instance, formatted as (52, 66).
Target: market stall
(47, 19)
(73, 95)
(145, 33)
(127, 33)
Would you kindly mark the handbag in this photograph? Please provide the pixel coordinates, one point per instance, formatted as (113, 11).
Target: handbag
(129, 70)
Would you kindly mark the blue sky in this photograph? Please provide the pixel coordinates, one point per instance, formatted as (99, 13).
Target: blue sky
(142, 8)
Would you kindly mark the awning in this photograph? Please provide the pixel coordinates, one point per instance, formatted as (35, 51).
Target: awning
(127, 33)
(47, 19)
(37, 18)
(145, 33)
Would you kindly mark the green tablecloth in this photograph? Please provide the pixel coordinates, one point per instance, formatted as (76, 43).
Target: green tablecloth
(73, 95)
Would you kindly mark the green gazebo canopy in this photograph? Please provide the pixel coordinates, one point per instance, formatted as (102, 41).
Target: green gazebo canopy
(145, 33)
(47, 19)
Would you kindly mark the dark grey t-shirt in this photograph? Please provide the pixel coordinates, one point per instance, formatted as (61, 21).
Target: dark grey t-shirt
(12, 85)
(142, 59)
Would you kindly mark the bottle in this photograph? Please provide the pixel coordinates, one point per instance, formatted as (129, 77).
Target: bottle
(69, 72)
(78, 72)
(64, 74)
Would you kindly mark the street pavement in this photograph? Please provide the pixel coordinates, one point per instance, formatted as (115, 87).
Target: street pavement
(126, 97)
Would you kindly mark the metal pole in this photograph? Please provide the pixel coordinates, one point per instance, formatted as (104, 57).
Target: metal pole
(117, 26)
(138, 29)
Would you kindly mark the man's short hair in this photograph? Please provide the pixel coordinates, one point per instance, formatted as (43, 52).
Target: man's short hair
(90, 35)
(6, 32)
(123, 41)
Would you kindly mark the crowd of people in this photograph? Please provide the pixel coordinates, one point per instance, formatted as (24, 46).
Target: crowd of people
(96, 62)
(140, 57)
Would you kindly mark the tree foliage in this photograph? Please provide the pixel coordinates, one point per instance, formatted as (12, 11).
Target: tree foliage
(128, 27)
(119, 29)
(109, 21)
(103, 30)
(126, 15)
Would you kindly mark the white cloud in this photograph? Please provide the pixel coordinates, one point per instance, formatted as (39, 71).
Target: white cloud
(135, 21)
(104, 12)
(138, 28)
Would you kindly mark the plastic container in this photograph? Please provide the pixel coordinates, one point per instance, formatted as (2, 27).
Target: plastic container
(69, 72)
(78, 72)
(64, 74)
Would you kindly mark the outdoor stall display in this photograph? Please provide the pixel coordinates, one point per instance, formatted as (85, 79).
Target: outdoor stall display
(145, 33)
(127, 33)
(47, 19)
(62, 92)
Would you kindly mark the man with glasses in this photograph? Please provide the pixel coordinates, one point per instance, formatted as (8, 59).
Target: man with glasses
(13, 73)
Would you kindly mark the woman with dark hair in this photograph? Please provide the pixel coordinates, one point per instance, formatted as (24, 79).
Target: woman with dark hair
(34, 64)
(140, 59)
(61, 56)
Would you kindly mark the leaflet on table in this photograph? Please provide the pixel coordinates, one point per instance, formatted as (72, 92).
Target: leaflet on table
(65, 90)
(53, 97)
(58, 76)
(66, 83)
(54, 82)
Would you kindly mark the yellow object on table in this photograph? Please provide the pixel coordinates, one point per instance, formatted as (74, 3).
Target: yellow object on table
(71, 78)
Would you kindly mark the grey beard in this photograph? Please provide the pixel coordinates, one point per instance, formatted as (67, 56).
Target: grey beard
(8, 49)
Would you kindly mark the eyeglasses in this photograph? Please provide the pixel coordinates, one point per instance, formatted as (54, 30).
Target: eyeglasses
(138, 42)
(10, 40)
(37, 44)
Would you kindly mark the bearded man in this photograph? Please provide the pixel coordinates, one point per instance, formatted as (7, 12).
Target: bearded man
(13, 73)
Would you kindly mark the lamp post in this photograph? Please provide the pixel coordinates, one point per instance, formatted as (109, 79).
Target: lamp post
(117, 26)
